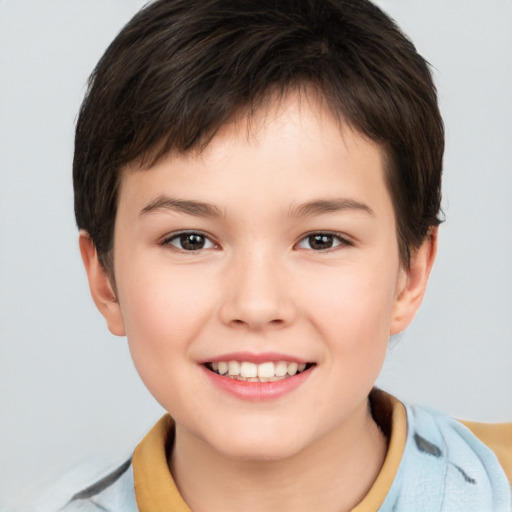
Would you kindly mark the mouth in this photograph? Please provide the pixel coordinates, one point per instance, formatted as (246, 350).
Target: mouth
(247, 371)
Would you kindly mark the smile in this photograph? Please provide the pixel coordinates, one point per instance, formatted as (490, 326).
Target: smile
(247, 371)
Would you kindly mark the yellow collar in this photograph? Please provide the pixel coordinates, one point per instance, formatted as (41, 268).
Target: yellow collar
(156, 491)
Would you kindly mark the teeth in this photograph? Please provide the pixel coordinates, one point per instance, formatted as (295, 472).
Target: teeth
(251, 372)
(248, 370)
(234, 368)
(266, 370)
(292, 368)
(281, 369)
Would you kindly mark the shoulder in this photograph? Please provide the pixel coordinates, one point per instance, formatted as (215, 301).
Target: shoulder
(498, 437)
(449, 466)
(84, 490)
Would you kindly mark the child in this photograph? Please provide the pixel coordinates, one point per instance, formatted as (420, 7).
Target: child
(257, 186)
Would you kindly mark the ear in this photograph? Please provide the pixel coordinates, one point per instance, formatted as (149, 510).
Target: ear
(100, 286)
(413, 283)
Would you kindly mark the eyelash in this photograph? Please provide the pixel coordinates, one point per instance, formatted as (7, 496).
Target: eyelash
(178, 237)
(335, 239)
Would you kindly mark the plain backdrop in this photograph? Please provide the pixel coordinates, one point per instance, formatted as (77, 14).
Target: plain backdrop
(68, 390)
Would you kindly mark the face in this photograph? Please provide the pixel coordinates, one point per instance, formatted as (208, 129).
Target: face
(271, 256)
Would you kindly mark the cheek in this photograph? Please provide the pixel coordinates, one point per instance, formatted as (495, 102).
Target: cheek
(355, 309)
(162, 315)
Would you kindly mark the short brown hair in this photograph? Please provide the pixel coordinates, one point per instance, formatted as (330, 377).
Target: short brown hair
(180, 69)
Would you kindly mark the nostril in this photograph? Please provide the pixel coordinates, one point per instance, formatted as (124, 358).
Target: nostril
(277, 321)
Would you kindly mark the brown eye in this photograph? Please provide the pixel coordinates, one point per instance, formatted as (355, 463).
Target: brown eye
(190, 241)
(322, 241)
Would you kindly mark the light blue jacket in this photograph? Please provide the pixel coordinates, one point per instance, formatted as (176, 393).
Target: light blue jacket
(444, 468)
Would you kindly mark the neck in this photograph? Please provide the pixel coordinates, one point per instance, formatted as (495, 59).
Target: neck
(334, 474)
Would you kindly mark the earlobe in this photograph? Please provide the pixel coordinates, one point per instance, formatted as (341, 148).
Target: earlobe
(101, 288)
(410, 293)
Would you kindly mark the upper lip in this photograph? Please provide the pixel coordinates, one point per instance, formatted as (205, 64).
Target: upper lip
(256, 358)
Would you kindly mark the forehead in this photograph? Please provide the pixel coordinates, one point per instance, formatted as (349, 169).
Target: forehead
(291, 150)
(299, 116)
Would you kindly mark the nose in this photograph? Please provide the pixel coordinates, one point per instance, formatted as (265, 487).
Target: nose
(256, 294)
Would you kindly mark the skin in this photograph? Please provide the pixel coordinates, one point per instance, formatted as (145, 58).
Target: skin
(259, 285)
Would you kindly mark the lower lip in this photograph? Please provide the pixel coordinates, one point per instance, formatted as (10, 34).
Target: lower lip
(257, 391)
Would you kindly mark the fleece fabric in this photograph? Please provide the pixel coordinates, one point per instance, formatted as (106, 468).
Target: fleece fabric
(433, 464)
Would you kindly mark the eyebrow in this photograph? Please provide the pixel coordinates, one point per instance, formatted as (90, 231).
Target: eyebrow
(201, 209)
(196, 208)
(321, 206)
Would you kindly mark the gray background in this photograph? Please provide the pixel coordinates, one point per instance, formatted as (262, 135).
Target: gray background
(68, 391)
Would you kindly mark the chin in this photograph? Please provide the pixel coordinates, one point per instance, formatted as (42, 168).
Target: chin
(257, 445)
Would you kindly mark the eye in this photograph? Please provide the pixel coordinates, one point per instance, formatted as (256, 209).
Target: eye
(322, 241)
(189, 241)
